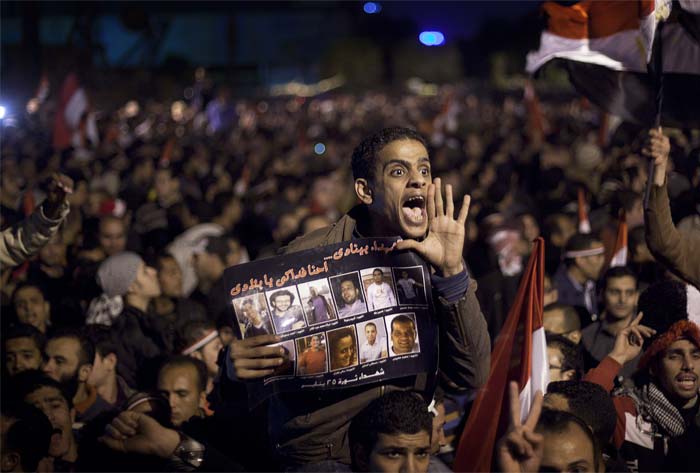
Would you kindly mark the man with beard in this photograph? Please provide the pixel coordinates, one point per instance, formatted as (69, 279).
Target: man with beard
(26, 437)
(22, 348)
(285, 315)
(398, 196)
(49, 396)
(69, 356)
(350, 295)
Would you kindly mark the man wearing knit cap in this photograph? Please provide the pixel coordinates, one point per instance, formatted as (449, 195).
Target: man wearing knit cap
(125, 274)
(658, 417)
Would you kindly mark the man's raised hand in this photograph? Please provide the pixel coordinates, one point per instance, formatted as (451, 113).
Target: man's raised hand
(629, 341)
(443, 246)
(657, 147)
(520, 449)
(253, 357)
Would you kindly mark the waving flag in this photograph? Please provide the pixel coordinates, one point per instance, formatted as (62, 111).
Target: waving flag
(519, 354)
(584, 225)
(619, 256)
(609, 47)
(74, 124)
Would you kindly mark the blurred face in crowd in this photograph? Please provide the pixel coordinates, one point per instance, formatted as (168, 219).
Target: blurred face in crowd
(570, 450)
(51, 402)
(348, 292)
(170, 277)
(209, 353)
(591, 266)
(22, 354)
(563, 322)
(164, 183)
(146, 282)
(399, 194)
(112, 236)
(394, 453)
(344, 352)
(556, 361)
(437, 440)
(403, 336)
(63, 359)
(103, 369)
(54, 252)
(677, 370)
(531, 228)
(32, 308)
(180, 385)
(620, 297)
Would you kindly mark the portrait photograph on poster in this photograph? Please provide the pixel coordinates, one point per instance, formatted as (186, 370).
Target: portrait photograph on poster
(285, 310)
(403, 334)
(252, 315)
(379, 287)
(317, 302)
(410, 285)
(342, 345)
(348, 295)
(311, 355)
(372, 340)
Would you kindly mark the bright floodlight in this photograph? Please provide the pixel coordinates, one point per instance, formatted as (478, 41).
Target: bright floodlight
(431, 38)
(2, 112)
(371, 8)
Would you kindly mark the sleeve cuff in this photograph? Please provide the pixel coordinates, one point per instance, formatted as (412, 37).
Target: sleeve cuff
(451, 288)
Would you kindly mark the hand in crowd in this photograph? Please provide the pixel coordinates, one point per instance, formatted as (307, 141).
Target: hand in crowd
(629, 341)
(521, 449)
(59, 187)
(254, 358)
(443, 246)
(135, 432)
(657, 146)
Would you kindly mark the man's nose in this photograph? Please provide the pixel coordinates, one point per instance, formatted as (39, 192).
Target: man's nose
(688, 362)
(417, 178)
(409, 464)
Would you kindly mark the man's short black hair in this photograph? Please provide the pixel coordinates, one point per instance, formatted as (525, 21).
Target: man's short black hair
(87, 348)
(102, 338)
(24, 331)
(26, 382)
(283, 292)
(578, 242)
(181, 361)
(618, 272)
(402, 319)
(364, 157)
(29, 435)
(571, 353)
(191, 332)
(25, 285)
(377, 269)
(591, 403)
(560, 421)
(397, 412)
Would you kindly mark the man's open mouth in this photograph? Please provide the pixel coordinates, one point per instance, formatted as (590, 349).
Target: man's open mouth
(413, 209)
(687, 381)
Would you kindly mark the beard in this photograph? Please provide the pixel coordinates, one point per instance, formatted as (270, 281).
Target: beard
(70, 384)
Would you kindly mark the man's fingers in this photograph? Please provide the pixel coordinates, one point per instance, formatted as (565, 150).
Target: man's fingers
(258, 363)
(533, 438)
(257, 341)
(123, 426)
(464, 211)
(646, 331)
(257, 352)
(449, 203)
(514, 404)
(431, 202)
(535, 411)
(439, 207)
(636, 319)
(408, 244)
(253, 374)
(112, 443)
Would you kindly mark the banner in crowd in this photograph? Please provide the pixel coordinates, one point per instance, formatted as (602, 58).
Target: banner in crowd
(348, 314)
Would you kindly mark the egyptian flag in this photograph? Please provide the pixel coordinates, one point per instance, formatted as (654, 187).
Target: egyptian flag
(584, 225)
(519, 354)
(74, 124)
(619, 256)
(618, 53)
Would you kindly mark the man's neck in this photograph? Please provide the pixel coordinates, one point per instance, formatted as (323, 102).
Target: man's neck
(109, 390)
(613, 326)
(81, 394)
(138, 301)
(686, 404)
(575, 273)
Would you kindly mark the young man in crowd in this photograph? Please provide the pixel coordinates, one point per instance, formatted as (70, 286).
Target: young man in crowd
(394, 183)
(125, 274)
(104, 378)
(183, 380)
(656, 424)
(565, 361)
(69, 356)
(564, 320)
(620, 293)
(22, 348)
(25, 437)
(392, 434)
(379, 293)
(576, 278)
(32, 307)
(201, 340)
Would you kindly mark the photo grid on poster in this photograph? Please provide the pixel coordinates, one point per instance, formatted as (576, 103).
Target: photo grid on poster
(317, 302)
(312, 357)
(403, 334)
(348, 295)
(379, 288)
(342, 346)
(410, 285)
(285, 309)
(372, 340)
(252, 315)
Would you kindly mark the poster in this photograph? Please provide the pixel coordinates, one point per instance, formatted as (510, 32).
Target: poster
(352, 313)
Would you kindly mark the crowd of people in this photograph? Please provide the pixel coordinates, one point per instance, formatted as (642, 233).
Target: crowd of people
(121, 351)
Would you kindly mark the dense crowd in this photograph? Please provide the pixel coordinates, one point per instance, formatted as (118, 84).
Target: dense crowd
(117, 324)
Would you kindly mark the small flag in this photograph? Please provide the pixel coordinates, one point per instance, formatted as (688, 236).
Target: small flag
(584, 225)
(619, 256)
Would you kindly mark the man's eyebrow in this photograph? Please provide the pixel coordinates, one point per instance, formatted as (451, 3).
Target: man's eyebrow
(406, 163)
(578, 463)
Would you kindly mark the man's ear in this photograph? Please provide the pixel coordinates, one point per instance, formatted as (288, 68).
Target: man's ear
(10, 461)
(568, 375)
(202, 399)
(84, 372)
(112, 359)
(363, 191)
(197, 355)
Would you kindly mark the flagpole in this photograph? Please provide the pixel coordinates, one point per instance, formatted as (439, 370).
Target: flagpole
(659, 99)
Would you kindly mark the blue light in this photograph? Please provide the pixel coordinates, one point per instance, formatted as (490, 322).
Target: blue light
(371, 8)
(431, 38)
(3, 110)
(319, 148)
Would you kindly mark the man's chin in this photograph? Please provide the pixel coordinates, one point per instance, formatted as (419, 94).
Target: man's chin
(414, 232)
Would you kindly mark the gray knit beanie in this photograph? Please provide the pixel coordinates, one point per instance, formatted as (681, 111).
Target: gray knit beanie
(117, 272)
